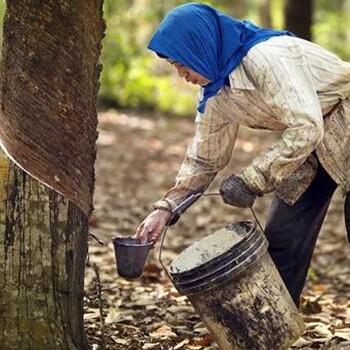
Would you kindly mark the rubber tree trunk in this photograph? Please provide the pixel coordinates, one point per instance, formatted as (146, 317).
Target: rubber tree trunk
(48, 120)
(299, 17)
(43, 249)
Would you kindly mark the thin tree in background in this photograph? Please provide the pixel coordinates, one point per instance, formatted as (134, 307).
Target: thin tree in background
(265, 13)
(299, 17)
(48, 120)
(237, 9)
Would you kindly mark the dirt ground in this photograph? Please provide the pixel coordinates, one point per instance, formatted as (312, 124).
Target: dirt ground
(137, 159)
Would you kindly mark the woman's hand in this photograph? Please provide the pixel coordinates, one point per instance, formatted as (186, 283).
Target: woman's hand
(152, 227)
(235, 192)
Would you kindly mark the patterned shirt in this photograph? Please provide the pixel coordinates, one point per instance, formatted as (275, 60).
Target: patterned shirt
(285, 84)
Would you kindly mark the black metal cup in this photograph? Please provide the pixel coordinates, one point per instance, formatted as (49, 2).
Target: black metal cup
(131, 256)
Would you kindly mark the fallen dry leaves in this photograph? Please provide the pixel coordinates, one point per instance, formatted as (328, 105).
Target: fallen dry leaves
(138, 157)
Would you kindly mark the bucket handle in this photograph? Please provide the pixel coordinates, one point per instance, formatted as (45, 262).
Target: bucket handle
(257, 220)
(179, 210)
(174, 213)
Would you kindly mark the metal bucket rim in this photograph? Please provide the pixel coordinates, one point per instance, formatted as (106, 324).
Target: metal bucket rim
(236, 263)
(227, 255)
(225, 277)
(204, 266)
(117, 241)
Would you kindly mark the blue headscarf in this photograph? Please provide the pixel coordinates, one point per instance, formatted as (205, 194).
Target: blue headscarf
(209, 42)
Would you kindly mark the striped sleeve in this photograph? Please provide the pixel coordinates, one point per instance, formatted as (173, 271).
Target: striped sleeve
(209, 152)
(286, 85)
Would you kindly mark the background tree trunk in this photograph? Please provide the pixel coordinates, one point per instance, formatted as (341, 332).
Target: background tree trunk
(49, 86)
(298, 17)
(237, 9)
(265, 13)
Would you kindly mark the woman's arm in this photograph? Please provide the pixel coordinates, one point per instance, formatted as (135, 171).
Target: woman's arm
(287, 86)
(209, 152)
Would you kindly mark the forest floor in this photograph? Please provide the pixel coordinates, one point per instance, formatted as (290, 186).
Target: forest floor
(137, 159)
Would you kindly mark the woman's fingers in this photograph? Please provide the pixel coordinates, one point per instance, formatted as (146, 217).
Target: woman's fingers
(146, 232)
(151, 228)
(154, 235)
(141, 233)
(144, 236)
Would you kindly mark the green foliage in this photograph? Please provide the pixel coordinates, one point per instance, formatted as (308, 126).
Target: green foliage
(133, 77)
(129, 77)
(312, 276)
(277, 15)
(331, 28)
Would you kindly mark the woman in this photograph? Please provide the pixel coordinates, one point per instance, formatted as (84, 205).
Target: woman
(262, 79)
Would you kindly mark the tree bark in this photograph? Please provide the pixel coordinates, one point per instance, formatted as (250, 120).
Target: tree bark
(43, 252)
(298, 17)
(48, 92)
(48, 118)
